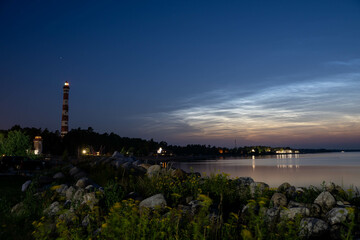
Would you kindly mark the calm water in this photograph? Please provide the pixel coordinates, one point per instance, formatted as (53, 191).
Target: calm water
(297, 169)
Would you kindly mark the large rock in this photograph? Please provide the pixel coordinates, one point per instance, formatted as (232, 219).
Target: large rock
(145, 165)
(74, 171)
(258, 188)
(80, 175)
(178, 173)
(283, 187)
(272, 215)
(116, 154)
(25, 186)
(117, 163)
(78, 196)
(70, 193)
(153, 170)
(313, 227)
(137, 162)
(278, 200)
(337, 215)
(155, 201)
(244, 181)
(291, 213)
(326, 201)
(62, 189)
(90, 200)
(333, 188)
(53, 209)
(295, 204)
(67, 216)
(18, 209)
(127, 165)
(59, 175)
(83, 182)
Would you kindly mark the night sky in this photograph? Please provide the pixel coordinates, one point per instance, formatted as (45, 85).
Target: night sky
(277, 73)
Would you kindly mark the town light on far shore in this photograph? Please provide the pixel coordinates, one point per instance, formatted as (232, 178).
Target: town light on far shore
(159, 150)
(84, 151)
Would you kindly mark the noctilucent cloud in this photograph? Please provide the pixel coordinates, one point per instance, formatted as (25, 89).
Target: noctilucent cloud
(277, 73)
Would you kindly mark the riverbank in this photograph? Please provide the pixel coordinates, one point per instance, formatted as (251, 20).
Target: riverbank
(126, 198)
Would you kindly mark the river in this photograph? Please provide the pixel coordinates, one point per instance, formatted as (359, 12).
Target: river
(301, 170)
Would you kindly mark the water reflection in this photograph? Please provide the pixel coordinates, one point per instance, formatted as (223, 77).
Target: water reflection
(297, 169)
(253, 163)
(288, 161)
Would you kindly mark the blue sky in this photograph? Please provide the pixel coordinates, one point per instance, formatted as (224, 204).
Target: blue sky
(262, 72)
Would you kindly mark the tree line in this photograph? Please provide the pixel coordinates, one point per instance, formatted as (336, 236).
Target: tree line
(18, 141)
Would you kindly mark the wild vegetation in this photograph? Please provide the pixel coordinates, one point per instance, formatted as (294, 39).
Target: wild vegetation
(208, 207)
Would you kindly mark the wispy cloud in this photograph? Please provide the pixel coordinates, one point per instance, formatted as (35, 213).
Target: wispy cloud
(349, 63)
(326, 106)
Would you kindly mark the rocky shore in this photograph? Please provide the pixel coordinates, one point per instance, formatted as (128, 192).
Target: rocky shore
(71, 198)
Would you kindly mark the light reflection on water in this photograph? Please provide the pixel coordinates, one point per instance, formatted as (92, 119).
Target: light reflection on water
(297, 169)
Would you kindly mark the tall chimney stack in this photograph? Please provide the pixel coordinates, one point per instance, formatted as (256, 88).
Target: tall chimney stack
(65, 110)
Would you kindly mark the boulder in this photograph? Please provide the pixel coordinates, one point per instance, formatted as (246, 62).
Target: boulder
(59, 175)
(283, 187)
(337, 215)
(153, 170)
(295, 204)
(244, 181)
(116, 155)
(272, 215)
(313, 228)
(67, 216)
(69, 193)
(74, 171)
(78, 195)
(117, 163)
(25, 186)
(315, 210)
(83, 182)
(90, 200)
(126, 165)
(137, 162)
(178, 173)
(291, 192)
(326, 201)
(291, 213)
(62, 189)
(333, 188)
(79, 175)
(18, 209)
(90, 188)
(258, 188)
(278, 200)
(157, 200)
(53, 209)
(145, 165)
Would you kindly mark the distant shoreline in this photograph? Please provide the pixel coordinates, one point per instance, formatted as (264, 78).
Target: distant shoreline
(158, 159)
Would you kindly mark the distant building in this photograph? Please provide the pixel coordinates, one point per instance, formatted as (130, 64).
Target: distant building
(65, 110)
(287, 151)
(38, 145)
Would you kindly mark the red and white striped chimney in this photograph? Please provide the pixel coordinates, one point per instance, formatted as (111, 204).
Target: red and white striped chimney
(65, 110)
